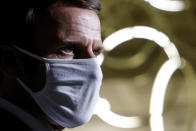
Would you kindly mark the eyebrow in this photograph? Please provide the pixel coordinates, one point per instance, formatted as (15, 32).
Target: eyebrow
(78, 44)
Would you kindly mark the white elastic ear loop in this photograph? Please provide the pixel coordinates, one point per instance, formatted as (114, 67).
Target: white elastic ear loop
(24, 86)
(29, 53)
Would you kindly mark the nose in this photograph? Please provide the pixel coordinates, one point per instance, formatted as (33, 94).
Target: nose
(87, 53)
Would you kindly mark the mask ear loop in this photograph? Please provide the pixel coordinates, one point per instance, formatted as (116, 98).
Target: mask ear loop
(29, 53)
(24, 86)
(158, 92)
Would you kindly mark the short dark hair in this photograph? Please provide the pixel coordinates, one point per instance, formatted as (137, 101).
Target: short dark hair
(17, 21)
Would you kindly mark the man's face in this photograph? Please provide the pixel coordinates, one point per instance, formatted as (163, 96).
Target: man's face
(68, 32)
(64, 32)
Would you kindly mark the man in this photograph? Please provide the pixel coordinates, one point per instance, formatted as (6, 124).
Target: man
(49, 76)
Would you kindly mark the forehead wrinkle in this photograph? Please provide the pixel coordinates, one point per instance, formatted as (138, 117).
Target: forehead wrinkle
(93, 21)
(93, 24)
(85, 42)
(77, 25)
(83, 25)
(79, 41)
(82, 33)
(79, 31)
(72, 14)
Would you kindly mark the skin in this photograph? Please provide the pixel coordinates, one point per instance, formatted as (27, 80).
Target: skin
(71, 33)
(64, 32)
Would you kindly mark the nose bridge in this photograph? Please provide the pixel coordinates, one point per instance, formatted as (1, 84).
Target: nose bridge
(87, 52)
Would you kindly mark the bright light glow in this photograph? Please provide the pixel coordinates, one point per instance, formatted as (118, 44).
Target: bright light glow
(132, 62)
(158, 93)
(157, 123)
(163, 76)
(160, 86)
(100, 59)
(172, 52)
(168, 5)
(117, 38)
(103, 110)
(140, 32)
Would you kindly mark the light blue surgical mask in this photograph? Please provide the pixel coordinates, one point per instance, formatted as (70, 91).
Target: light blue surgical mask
(71, 90)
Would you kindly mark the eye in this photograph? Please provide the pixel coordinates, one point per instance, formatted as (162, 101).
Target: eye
(96, 52)
(67, 50)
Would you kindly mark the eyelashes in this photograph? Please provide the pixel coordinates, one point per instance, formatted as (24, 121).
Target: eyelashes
(75, 51)
(97, 52)
(67, 50)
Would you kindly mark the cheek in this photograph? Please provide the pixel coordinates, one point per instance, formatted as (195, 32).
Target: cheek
(89, 33)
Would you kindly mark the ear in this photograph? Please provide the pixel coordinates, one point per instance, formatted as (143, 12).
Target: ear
(9, 63)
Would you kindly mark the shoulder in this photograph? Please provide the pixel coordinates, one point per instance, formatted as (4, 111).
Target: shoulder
(14, 118)
(10, 122)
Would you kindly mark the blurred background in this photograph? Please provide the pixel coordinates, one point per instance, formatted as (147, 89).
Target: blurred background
(130, 69)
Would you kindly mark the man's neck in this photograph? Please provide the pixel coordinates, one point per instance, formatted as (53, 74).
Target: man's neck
(13, 92)
(9, 89)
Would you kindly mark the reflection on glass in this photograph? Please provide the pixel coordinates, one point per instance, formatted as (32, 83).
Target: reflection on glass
(168, 5)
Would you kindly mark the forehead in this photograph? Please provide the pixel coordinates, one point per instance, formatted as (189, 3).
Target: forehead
(63, 23)
(75, 21)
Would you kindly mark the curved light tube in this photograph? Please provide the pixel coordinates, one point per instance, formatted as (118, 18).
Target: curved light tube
(133, 62)
(158, 93)
(103, 110)
(141, 32)
(160, 84)
(100, 58)
(168, 5)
